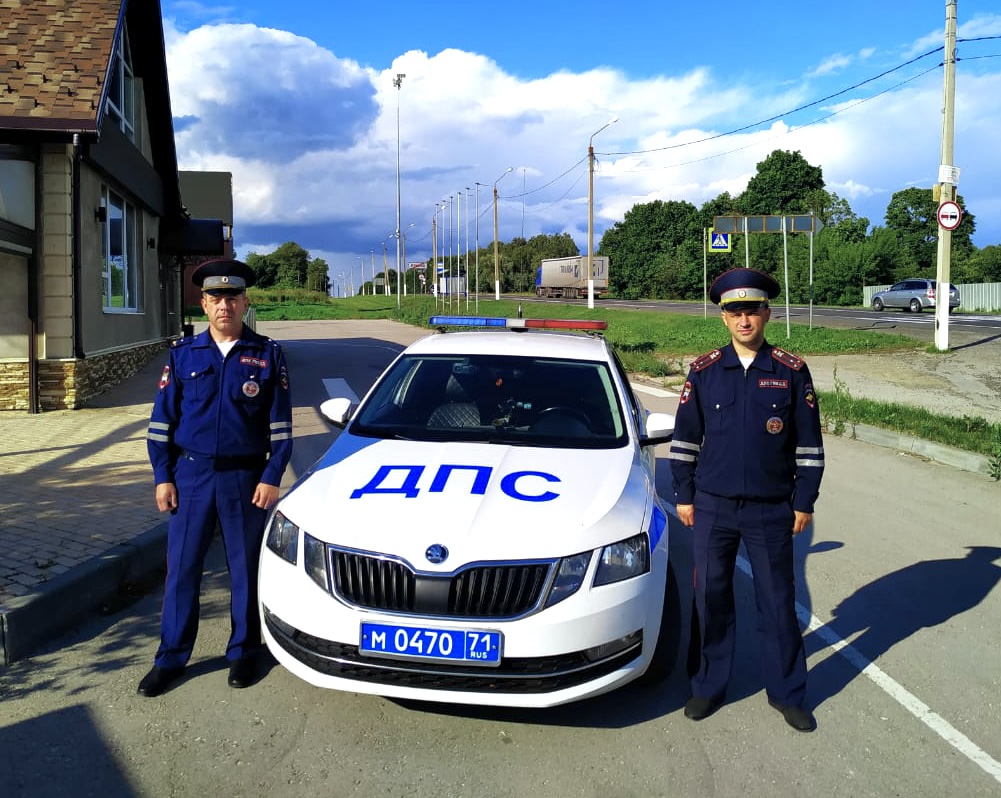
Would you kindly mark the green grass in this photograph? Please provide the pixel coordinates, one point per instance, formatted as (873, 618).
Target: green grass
(655, 343)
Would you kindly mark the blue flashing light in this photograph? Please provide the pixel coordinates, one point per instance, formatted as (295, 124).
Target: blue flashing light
(517, 324)
(467, 321)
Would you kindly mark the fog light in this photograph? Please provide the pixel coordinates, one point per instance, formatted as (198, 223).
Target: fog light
(610, 649)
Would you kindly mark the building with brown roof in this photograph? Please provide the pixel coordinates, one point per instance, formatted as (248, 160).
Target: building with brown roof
(93, 231)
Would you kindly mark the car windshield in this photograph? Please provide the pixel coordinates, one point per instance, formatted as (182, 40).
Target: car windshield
(519, 400)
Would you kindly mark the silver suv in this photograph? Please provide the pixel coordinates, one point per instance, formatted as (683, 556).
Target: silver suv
(913, 295)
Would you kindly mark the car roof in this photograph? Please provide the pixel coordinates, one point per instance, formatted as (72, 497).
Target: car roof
(572, 346)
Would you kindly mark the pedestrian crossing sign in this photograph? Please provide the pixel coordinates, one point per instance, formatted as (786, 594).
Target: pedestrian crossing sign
(720, 242)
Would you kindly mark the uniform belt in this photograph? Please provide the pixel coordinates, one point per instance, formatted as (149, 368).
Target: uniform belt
(242, 462)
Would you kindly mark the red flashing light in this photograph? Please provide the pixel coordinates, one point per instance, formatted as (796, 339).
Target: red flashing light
(566, 324)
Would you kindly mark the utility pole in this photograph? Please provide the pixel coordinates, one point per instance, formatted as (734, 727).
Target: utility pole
(398, 82)
(947, 181)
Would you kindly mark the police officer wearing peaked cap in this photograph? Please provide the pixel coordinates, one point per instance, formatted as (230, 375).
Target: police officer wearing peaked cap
(220, 437)
(747, 458)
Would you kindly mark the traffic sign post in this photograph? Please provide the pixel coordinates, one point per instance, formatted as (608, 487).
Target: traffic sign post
(949, 215)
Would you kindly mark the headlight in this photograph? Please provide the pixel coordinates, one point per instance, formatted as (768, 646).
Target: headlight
(623, 560)
(283, 538)
(569, 578)
(315, 553)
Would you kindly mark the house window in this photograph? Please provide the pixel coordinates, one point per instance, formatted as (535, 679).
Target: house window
(121, 105)
(120, 263)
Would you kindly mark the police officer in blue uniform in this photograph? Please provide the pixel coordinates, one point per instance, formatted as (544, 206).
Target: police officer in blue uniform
(746, 460)
(219, 439)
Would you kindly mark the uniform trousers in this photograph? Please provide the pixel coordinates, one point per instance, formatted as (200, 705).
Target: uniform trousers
(766, 530)
(207, 497)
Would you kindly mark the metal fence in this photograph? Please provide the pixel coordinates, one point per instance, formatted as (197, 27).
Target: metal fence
(979, 297)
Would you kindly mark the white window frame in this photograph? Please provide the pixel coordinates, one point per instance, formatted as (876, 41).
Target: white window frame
(121, 104)
(121, 275)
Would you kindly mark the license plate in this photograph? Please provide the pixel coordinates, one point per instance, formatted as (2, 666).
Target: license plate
(468, 646)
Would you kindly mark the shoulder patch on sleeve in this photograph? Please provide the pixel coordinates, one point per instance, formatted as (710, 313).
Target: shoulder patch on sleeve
(787, 359)
(706, 360)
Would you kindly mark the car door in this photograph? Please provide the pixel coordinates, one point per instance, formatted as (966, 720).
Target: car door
(897, 296)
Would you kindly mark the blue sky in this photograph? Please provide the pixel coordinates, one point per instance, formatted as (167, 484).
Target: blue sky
(296, 99)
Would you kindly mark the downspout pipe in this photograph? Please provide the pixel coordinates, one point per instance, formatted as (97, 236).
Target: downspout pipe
(77, 255)
(34, 268)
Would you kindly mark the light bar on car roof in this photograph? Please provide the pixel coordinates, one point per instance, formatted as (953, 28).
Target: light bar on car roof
(517, 324)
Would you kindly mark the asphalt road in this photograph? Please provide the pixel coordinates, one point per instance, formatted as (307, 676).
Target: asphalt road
(902, 564)
(964, 329)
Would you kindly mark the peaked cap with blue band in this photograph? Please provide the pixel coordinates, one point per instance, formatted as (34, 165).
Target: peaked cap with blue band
(223, 276)
(745, 289)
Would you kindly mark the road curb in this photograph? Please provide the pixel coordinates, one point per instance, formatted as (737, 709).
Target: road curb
(939, 453)
(33, 620)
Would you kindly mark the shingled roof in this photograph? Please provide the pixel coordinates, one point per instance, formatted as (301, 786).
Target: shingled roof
(55, 57)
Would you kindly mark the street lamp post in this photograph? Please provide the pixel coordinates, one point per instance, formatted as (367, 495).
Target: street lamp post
(590, 211)
(476, 243)
(496, 253)
(468, 189)
(398, 82)
(372, 253)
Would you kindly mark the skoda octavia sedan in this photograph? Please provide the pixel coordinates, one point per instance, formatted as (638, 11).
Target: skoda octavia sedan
(484, 530)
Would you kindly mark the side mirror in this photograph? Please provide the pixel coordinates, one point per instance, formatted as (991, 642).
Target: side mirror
(659, 429)
(337, 411)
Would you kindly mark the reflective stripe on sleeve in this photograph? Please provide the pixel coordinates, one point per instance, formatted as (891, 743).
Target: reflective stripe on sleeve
(159, 431)
(684, 451)
(810, 456)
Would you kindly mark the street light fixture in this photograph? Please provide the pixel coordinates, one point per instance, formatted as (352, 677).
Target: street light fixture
(496, 254)
(398, 82)
(590, 211)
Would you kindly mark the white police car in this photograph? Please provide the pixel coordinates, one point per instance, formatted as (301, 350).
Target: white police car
(485, 530)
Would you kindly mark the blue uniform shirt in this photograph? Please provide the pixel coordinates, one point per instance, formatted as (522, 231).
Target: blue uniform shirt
(237, 406)
(753, 435)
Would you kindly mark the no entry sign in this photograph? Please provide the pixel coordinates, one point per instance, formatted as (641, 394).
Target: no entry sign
(949, 215)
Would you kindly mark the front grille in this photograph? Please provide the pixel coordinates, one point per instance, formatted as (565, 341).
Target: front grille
(479, 591)
(513, 675)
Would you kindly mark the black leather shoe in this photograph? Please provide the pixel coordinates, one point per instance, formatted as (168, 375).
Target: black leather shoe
(242, 672)
(158, 680)
(797, 717)
(697, 708)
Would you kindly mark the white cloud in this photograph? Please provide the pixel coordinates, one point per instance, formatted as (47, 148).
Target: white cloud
(311, 139)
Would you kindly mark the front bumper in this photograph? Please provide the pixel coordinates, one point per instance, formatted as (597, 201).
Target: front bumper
(593, 642)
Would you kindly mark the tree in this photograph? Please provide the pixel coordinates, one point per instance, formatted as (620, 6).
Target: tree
(265, 269)
(293, 264)
(652, 251)
(782, 184)
(316, 275)
(912, 216)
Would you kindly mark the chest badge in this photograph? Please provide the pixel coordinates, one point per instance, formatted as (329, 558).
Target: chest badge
(774, 425)
(251, 389)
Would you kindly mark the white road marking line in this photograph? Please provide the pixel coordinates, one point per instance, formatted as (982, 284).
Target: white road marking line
(337, 386)
(895, 690)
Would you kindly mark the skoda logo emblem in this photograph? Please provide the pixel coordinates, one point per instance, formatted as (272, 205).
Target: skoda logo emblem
(436, 553)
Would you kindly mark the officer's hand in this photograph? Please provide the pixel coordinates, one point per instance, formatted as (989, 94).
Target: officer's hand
(801, 522)
(265, 495)
(166, 497)
(686, 513)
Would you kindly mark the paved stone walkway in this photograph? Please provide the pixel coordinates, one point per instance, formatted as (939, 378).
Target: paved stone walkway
(74, 484)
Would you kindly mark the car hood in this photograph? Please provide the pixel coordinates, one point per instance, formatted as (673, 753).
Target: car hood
(481, 501)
